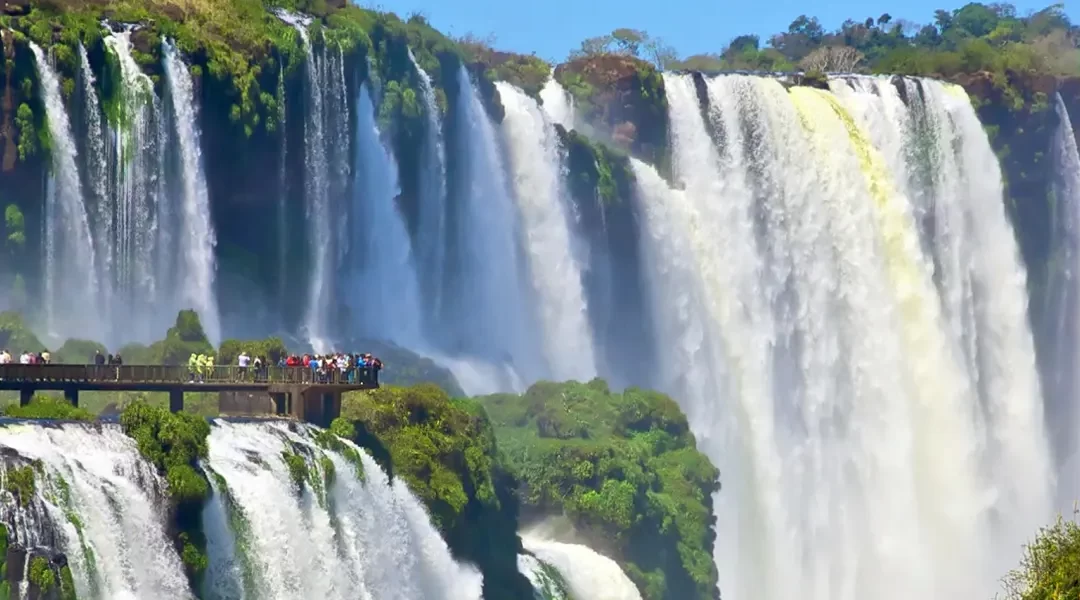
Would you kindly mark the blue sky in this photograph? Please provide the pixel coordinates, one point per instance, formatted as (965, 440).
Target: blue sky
(553, 28)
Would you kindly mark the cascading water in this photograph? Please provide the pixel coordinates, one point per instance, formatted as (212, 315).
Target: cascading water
(804, 332)
(350, 536)
(101, 503)
(384, 294)
(586, 573)
(71, 285)
(316, 189)
(197, 238)
(97, 179)
(431, 252)
(558, 104)
(1063, 314)
(136, 230)
(536, 167)
(490, 315)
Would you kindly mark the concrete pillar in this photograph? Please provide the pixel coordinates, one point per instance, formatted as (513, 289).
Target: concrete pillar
(71, 394)
(176, 400)
(25, 395)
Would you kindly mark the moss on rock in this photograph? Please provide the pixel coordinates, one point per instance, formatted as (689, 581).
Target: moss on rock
(48, 407)
(174, 443)
(444, 449)
(625, 468)
(624, 98)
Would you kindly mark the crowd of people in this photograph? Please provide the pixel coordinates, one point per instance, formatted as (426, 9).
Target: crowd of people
(26, 358)
(340, 367)
(320, 368)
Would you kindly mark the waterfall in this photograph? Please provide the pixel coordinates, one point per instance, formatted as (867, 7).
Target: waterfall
(1063, 314)
(431, 238)
(316, 190)
(823, 352)
(490, 315)
(352, 534)
(384, 296)
(197, 232)
(354, 537)
(547, 582)
(587, 573)
(283, 195)
(536, 167)
(102, 505)
(558, 104)
(71, 285)
(137, 230)
(97, 180)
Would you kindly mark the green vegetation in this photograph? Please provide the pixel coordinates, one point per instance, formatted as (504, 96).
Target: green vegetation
(48, 407)
(428, 438)
(41, 575)
(598, 172)
(298, 469)
(444, 449)
(1050, 569)
(174, 443)
(67, 584)
(331, 439)
(21, 482)
(625, 469)
(270, 349)
(16, 336)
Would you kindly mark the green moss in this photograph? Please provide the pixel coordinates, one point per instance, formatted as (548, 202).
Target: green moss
(67, 584)
(621, 466)
(174, 443)
(331, 439)
(298, 469)
(444, 450)
(437, 445)
(41, 574)
(48, 407)
(28, 137)
(21, 483)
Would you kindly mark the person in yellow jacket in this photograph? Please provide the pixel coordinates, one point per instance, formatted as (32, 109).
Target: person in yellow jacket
(210, 366)
(192, 366)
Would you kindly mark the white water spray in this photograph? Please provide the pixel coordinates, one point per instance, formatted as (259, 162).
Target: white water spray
(537, 169)
(71, 285)
(197, 237)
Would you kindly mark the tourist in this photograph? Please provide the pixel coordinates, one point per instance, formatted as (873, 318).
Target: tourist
(98, 359)
(242, 361)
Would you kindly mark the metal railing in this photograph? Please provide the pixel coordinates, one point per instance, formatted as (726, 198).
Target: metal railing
(157, 374)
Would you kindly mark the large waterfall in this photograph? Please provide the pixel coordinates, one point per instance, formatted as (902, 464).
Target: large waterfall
(536, 170)
(1063, 313)
(357, 536)
(71, 286)
(196, 232)
(385, 294)
(874, 408)
(825, 280)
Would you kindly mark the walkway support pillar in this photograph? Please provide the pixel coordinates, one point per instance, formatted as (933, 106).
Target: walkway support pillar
(176, 400)
(71, 394)
(25, 395)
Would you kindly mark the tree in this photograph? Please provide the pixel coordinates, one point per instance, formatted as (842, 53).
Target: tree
(629, 41)
(832, 59)
(1050, 567)
(592, 47)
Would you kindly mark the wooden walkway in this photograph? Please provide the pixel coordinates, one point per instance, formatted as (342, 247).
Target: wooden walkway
(299, 392)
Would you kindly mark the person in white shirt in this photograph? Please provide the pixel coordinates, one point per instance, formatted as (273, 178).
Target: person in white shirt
(243, 361)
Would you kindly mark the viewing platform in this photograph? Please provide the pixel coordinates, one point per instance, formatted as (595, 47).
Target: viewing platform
(297, 392)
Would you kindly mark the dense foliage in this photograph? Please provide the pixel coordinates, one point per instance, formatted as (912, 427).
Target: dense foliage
(48, 407)
(625, 468)
(444, 449)
(1050, 569)
(174, 443)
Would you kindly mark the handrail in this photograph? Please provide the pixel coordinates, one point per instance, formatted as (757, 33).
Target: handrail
(162, 374)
